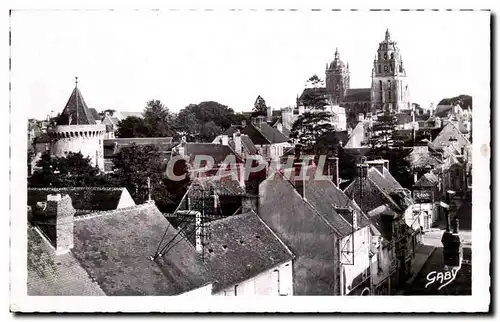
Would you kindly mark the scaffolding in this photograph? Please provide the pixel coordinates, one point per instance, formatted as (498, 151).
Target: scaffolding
(192, 219)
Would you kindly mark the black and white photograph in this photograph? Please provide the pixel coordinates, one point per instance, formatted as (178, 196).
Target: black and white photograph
(298, 159)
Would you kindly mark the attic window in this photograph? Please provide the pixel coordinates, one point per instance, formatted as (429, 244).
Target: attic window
(210, 250)
(257, 236)
(242, 242)
(224, 246)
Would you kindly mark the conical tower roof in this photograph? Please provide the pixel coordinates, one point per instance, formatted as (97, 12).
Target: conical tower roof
(76, 111)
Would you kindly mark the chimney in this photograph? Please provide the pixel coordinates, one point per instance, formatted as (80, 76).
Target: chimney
(237, 142)
(252, 183)
(299, 174)
(349, 131)
(377, 164)
(361, 117)
(415, 177)
(59, 212)
(279, 127)
(333, 170)
(301, 109)
(269, 113)
(224, 139)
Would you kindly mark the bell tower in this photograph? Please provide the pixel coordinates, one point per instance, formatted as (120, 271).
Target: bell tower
(337, 79)
(389, 90)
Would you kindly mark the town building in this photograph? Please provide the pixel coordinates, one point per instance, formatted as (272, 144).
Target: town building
(389, 89)
(108, 253)
(77, 131)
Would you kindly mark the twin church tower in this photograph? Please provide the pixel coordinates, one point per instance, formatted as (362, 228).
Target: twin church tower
(389, 90)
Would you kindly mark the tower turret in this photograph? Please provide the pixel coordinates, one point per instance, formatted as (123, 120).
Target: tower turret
(390, 90)
(337, 79)
(77, 131)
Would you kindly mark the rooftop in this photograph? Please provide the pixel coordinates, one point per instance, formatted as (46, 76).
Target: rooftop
(241, 247)
(76, 111)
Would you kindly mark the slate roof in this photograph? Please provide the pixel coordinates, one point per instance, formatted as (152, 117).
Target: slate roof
(324, 196)
(53, 275)
(224, 186)
(76, 111)
(450, 131)
(265, 134)
(377, 189)
(242, 247)
(248, 145)
(113, 146)
(383, 225)
(358, 95)
(115, 250)
(83, 198)
(427, 180)
(305, 232)
(310, 92)
(420, 157)
(218, 152)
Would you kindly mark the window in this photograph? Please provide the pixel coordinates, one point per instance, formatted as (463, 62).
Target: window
(276, 280)
(392, 55)
(379, 69)
(236, 290)
(385, 68)
(385, 56)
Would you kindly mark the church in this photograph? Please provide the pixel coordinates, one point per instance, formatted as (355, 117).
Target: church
(389, 90)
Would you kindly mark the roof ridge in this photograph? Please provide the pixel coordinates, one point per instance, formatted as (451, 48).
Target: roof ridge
(103, 213)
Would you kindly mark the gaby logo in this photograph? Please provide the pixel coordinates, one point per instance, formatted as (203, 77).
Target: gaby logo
(443, 278)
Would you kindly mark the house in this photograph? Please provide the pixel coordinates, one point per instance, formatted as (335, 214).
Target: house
(319, 224)
(109, 253)
(373, 187)
(450, 134)
(384, 260)
(427, 193)
(247, 258)
(358, 137)
(240, 143)
(270, 142)
(112, 147)
(86, 199)
(111, 123)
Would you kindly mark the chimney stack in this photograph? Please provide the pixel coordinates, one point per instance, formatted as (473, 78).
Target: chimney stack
(237, 142)
(299, 175)
(224, 139)
(333, 170)
(59, 213)
(181, 148)
(361, 117)
(257, 121)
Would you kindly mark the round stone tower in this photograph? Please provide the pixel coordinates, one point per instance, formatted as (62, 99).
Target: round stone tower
(77, 131)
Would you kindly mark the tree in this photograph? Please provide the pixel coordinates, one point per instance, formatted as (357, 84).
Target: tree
(73, 170)
(158, 120)
(136, 163)
(315, 122)
(259, 107)
(465, 101)
(206, 120)
(132, 127)
(381, 132)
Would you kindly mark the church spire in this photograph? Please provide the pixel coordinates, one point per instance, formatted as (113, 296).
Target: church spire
(387, 35)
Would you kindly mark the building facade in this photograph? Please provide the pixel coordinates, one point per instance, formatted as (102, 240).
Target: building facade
(389, 89)
(77, 131)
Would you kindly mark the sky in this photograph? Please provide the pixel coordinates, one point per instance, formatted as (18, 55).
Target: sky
(125, 58)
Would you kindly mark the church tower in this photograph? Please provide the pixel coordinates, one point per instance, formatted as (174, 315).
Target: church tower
(389, 90)
(337, 79)
(77, 131)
